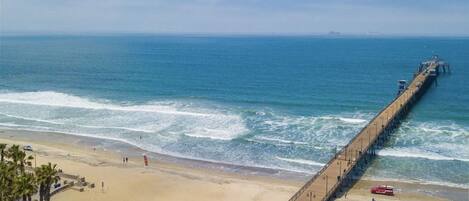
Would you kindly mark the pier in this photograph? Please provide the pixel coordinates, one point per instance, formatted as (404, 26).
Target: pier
(341, 171)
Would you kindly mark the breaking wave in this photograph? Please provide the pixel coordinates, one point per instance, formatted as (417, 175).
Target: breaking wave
(430, 140)
(301, 161)
(416, 153)
(67, 113)
(214, 132)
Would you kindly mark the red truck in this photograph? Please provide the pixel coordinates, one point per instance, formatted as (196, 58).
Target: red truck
(383, 190)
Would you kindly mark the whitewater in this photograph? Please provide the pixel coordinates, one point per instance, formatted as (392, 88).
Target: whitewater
(166, 123)
(284, 103)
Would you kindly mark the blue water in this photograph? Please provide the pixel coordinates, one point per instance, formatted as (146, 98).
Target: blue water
(277, 102)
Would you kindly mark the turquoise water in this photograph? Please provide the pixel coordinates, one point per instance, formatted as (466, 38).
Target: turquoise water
(277, 102)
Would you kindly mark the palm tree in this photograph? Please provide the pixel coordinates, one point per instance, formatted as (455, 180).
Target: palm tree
(46, 176)
(7, 176)
(2, 151)
(18, 157)
(14, 153)
(24, 186)
(15, 183)
(5, 180)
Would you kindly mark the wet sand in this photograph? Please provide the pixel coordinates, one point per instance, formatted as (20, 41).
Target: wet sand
(170, 178)
(407, 191)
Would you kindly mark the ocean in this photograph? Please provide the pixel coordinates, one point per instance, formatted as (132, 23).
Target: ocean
(281, 102)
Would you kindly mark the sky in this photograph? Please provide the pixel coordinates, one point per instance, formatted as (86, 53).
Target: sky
(386, 17)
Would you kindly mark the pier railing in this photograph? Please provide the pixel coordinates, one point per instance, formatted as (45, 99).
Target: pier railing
(344, 149)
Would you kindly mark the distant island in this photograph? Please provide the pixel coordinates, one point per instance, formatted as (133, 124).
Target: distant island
(333, 33)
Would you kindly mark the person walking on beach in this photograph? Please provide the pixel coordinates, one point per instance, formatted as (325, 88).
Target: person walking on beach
(102, 186)
(126, 160)
(145, 160)
(123, 160)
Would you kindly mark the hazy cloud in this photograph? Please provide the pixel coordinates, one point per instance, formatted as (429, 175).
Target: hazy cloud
(241, 16)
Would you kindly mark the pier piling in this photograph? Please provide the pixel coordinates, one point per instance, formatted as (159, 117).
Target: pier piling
(350, 162)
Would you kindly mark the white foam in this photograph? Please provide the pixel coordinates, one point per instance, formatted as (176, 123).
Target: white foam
(28, 118)
(416, 153)
(443, 140)
(50, 98)
(301, 161)
(10, 125)
(146, 147)
(352, 120)
(443, 129)
(45, 129)
(281, 140)
(117, 127)
(152, 117)
(215, 133)
(344, 119)
(287, 129)
(310, 123)
(78, 125)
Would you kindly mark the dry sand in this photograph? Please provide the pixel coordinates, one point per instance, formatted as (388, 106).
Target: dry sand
(404, 191)
(168, 181)
(161, 181)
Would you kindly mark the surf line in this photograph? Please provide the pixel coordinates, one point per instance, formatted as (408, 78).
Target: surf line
(342, 170)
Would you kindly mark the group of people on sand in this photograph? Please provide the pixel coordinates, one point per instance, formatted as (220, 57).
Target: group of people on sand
(125, 160)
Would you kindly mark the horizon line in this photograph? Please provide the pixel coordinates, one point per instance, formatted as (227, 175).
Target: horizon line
(331, 34)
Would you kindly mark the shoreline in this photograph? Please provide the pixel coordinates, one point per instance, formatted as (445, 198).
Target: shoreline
(135, 151)
(161, 180)
(107, 154)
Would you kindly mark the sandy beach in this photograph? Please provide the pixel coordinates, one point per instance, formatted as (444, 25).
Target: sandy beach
(406, 191)
(164, 180)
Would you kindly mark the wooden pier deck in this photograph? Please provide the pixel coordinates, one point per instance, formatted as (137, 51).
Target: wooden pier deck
(339, 171)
